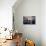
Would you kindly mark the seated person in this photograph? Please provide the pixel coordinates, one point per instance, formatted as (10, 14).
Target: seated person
(29, 43)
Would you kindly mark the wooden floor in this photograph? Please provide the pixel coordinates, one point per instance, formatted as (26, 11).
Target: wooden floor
(9, 43)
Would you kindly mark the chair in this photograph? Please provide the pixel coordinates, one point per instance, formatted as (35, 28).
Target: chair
(18, 39)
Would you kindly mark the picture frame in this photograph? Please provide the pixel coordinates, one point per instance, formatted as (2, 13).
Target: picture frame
(29, 20)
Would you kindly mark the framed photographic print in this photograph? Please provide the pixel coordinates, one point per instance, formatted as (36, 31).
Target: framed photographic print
(29, 20)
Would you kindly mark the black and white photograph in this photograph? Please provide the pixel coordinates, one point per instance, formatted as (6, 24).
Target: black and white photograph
(29, 20)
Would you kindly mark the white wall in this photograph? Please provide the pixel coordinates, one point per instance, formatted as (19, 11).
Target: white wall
(43, 22)
(29, 8)
(6, 13)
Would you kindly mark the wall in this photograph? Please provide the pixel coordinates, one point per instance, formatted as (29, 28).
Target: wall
(6, 13)
(28, 8)
(43, 22)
